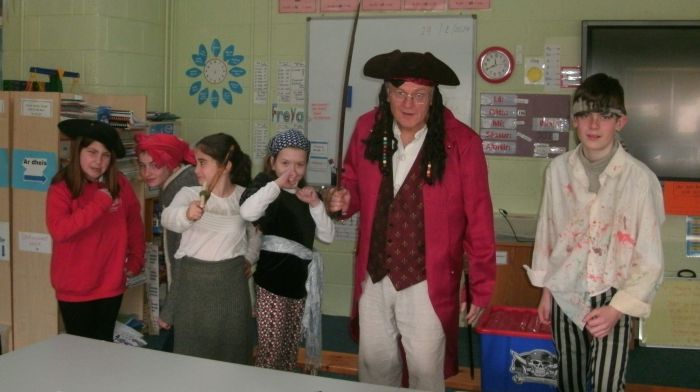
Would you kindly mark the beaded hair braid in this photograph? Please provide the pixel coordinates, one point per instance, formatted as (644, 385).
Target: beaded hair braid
(381, 143)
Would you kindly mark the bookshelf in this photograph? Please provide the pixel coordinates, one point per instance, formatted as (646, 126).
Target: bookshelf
(36, 139)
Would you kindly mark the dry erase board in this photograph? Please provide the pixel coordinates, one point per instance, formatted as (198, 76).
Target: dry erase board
(449, 38)
(675, 315)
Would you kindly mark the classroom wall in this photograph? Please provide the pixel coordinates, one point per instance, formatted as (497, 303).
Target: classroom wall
(118, 47)
(132, 40)
(260, 33)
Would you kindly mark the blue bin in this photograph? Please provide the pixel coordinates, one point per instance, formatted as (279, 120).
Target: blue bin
(517, 352)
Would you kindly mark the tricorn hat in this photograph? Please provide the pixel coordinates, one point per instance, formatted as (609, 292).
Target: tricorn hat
(103, 133)
(410, 65)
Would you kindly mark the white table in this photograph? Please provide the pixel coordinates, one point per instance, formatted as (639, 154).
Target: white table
(67, 363)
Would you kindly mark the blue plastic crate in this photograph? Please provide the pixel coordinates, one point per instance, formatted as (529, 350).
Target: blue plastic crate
(517, 352)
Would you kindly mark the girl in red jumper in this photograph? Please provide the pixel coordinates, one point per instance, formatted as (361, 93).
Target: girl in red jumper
(94, 219)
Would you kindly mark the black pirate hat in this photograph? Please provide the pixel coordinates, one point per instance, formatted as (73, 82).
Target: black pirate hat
(410, 65)
(96, 130)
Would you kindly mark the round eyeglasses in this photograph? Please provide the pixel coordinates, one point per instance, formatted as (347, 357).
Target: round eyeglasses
(419, 98)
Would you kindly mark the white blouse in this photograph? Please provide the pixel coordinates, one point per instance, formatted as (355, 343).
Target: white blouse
(220, 234)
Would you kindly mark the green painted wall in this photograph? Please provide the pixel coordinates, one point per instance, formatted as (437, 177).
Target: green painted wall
(117, 46)
(146, 46)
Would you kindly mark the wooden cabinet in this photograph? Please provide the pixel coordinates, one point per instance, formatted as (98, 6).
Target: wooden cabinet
(513, 287)
(36, 141)
(5, 260)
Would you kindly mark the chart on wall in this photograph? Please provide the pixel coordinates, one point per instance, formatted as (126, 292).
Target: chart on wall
(526, 125)
(449, 38)
(674, 320)
(214, 74)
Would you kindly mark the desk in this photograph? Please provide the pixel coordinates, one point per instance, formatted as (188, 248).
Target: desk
(74, 364)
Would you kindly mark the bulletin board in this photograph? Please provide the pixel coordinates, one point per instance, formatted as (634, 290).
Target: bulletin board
(449, 38)
(525, 125)
(675, 315)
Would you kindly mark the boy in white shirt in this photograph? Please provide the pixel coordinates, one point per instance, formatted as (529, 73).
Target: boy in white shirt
(598, 254)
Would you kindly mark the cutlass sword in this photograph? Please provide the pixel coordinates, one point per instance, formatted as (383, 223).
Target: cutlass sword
(341, 126)
(344, 100)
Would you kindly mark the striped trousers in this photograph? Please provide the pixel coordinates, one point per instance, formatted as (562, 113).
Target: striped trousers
(591, 364)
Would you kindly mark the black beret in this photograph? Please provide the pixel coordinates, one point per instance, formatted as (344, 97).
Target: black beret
(96, 130)
(402, 65)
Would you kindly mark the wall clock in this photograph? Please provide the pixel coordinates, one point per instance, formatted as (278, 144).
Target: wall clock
(495, 64)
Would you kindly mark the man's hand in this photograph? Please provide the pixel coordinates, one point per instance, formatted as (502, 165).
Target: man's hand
(475, 312)
(339, 200)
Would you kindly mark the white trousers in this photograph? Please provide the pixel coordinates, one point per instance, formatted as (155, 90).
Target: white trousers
(387, 315)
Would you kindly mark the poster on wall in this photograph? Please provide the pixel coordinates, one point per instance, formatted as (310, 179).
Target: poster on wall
(525, 125)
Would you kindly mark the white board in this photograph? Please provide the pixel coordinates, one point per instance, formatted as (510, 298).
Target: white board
(449, 38)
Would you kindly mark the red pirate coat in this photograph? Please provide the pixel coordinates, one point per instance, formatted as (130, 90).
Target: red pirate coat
(458, 220)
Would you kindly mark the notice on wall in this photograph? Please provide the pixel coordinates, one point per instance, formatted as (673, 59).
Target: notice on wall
(153, 286)
(347, 230)
(261, 82)
(681, 197)
(34, 242)
(4, 241)
(526, 125)
(338, 5)
(294, 6)
(469, 4)
(259, 140)
(674, 320)
(291, 82)
(36, 108)
(381, 5)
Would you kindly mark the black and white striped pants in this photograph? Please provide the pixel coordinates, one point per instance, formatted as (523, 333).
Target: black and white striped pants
(587, 363)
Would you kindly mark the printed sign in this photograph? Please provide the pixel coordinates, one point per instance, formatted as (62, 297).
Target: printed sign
(33, 170)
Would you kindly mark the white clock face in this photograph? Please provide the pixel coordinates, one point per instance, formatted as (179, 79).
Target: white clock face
(495, 65)
(215, 71)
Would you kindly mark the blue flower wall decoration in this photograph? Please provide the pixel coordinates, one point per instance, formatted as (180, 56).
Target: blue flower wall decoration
(216, 70)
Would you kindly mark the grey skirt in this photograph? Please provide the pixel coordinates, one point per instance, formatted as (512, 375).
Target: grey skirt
(209, 305)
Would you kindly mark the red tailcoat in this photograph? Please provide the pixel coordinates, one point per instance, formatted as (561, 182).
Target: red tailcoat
(458, 221)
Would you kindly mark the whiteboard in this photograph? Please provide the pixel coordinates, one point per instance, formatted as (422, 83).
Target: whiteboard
(449, 38)
(675, 315)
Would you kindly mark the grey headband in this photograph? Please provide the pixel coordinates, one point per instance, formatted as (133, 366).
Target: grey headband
(289, 138)
(580, 107)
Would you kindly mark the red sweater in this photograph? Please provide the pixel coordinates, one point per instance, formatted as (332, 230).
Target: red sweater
(94, 240)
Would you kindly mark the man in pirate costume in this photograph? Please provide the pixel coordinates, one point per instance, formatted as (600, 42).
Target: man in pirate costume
(418, 177)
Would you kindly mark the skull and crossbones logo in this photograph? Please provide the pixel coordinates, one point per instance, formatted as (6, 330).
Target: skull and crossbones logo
(536, 366)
